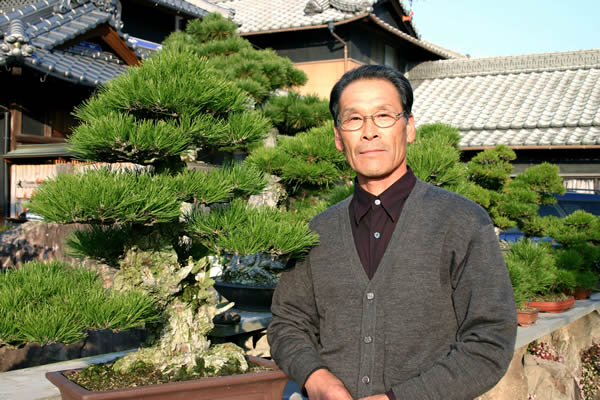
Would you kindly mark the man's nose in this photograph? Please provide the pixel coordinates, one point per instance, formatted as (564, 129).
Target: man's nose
(370, 130)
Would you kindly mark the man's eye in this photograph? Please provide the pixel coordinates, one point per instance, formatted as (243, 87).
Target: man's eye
(384, 115)
(354, 118)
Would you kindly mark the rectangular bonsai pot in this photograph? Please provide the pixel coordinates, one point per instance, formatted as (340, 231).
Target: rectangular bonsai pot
(268, 385)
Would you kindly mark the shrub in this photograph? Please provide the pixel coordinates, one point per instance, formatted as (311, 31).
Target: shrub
(54, 302)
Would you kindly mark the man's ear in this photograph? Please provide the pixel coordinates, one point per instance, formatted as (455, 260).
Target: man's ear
(339, 143)
(411, 130)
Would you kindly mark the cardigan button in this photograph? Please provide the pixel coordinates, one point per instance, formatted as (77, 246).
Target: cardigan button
(370, 296)
(365, 379)
(368, 339)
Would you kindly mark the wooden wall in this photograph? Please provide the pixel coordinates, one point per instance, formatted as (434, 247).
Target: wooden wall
(322, 75)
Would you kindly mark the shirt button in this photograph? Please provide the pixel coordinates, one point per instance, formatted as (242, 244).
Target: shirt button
(377, 235)
(368, 339)
(377, 202)
(370, 296)
(365, 379)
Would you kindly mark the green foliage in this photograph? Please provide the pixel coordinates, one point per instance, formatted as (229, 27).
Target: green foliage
(580, 227)
(439, 130)
(100, 242)
(244, 231)
(293, 113)
(219, 185)
(434, 157)
(257, 72)
(108, 197)
(54, 302)
(531, 268)
(211, 27)
(491, 168)
(586, 279)
(544, 180)
(308, 159)
(114, 137)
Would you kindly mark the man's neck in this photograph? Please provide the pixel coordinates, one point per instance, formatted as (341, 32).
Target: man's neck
(376, 186)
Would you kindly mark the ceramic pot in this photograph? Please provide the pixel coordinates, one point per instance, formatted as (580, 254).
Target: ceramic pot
(268, 385)
(248, 298)
(553, 306)
(582, 294)
(527, 317)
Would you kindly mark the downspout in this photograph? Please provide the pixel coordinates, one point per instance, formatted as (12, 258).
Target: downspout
(331, 28)
(3, 150)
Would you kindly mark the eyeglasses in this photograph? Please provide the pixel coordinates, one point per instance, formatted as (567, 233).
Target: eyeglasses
(382, 119)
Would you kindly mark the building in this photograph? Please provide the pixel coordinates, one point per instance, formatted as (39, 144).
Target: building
(53, 55)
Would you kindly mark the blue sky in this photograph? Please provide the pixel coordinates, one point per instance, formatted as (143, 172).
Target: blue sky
(487, 28)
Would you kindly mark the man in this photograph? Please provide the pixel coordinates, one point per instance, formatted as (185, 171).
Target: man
(407, 295)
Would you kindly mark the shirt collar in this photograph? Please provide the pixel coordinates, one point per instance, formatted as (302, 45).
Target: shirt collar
(391, 199)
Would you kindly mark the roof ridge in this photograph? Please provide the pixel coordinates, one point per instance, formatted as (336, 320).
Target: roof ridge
(579, 59)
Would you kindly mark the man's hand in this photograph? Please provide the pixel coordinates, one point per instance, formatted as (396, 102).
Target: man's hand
(376, 397)
(323, 385)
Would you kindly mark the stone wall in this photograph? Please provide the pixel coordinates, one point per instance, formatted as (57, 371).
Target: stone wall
(544, 379)
(35, 240)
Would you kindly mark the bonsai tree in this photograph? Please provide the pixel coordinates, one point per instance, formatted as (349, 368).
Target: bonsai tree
(308, 164)
(534, 272)
(435, 158)
(578, 235)
(292, 113)
(148, 212)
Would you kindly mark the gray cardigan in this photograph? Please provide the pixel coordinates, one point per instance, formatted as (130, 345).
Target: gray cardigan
(437, 321)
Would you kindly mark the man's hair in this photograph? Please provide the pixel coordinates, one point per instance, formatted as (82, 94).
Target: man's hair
(372, 72)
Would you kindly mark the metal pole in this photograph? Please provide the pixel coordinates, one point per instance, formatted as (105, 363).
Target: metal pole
(331, 27)
(3, 168)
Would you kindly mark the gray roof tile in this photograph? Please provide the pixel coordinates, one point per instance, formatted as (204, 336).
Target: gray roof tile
(42, 26)
(533, 100)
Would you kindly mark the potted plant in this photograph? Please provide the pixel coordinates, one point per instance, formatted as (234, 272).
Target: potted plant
(522, 284)
(144, 126)
(545, 283)
(251, 248)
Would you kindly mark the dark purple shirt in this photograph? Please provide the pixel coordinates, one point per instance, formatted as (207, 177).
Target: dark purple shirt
(374, 219)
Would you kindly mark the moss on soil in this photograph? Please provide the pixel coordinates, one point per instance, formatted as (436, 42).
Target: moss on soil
(101, 377)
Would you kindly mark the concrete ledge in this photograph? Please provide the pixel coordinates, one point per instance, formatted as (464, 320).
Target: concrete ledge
(548, 323)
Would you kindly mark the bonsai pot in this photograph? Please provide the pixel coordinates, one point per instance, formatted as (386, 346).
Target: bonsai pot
(527, 317)
(582, 294)
(553, 306)
(248, 298)
(268, 385)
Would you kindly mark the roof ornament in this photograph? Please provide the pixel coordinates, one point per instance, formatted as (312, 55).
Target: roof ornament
(316, 7)
(352, 5)
(16, 41)
(65, 6)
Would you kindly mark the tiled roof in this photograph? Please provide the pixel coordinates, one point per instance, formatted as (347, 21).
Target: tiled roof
(537, 100)
(258, 16)
(269, 15)
(31, 32)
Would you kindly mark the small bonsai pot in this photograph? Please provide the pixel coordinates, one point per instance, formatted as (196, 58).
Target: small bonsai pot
(245, 297)
(582, 294)
(268, 385)
(526, 317)
(553, 306)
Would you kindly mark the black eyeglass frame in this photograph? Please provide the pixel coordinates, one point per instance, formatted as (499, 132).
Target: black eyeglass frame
(365, 117)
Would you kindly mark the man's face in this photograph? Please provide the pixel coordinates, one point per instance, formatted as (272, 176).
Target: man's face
(376, 154)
